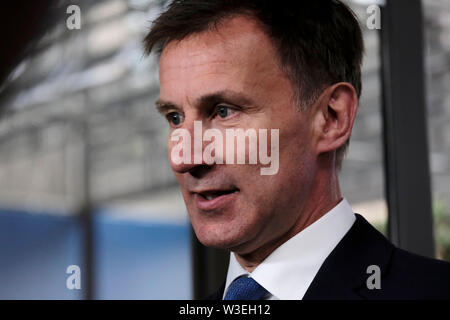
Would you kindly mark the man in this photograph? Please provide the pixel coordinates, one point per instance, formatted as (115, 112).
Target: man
(291, 68)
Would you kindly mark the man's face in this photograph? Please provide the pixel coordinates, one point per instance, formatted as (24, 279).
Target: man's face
(231, 78)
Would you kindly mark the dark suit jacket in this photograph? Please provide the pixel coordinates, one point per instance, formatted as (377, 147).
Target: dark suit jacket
(404, 275)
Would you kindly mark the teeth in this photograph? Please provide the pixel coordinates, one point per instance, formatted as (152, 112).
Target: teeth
(213, 195)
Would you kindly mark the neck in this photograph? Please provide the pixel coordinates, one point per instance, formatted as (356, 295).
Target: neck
(325, 195)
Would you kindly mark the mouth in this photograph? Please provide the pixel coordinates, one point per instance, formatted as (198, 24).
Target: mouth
(214, 199)
(210, 195)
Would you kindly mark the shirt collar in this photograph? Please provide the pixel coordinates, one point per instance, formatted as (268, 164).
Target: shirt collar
(289, 270)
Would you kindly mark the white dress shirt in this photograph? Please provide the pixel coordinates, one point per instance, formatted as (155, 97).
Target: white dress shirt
(289, 270)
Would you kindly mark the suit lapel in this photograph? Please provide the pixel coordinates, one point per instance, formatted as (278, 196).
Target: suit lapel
(344, 271)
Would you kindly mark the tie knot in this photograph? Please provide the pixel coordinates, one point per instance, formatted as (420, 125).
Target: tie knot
(245, 288)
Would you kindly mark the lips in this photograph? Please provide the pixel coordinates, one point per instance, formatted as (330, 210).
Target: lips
(215, 198)
(209, 195)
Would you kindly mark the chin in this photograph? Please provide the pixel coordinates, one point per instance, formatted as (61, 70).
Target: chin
(220, 230)
(214, 242)
(216, 239)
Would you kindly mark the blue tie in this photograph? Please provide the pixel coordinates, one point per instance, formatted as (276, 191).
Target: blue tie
(245, 288)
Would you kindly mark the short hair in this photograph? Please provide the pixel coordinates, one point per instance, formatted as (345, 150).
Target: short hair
(319, 42)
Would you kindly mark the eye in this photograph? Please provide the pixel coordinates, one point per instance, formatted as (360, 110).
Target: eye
(224, 111)
(174, 118)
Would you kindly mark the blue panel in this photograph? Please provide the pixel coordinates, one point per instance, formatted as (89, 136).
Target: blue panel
(35, 250)
(141, 260)
(133, 260)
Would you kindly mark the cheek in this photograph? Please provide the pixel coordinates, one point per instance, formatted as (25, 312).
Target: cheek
(288, 186)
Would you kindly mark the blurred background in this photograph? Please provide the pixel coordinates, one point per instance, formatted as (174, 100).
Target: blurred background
(84, 177)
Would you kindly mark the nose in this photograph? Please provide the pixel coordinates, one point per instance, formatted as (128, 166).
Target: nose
(186, 149)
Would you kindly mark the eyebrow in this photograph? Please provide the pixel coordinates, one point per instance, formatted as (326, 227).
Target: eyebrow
(208, 100)
(164, 106)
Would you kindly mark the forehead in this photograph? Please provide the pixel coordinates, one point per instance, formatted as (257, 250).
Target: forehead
(235, 32)
(238, 47)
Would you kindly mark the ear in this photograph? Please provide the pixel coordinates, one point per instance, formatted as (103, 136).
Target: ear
(334, 116)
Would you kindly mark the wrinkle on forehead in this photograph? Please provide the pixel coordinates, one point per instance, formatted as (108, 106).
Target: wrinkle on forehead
(239, 33)
(238, 50)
